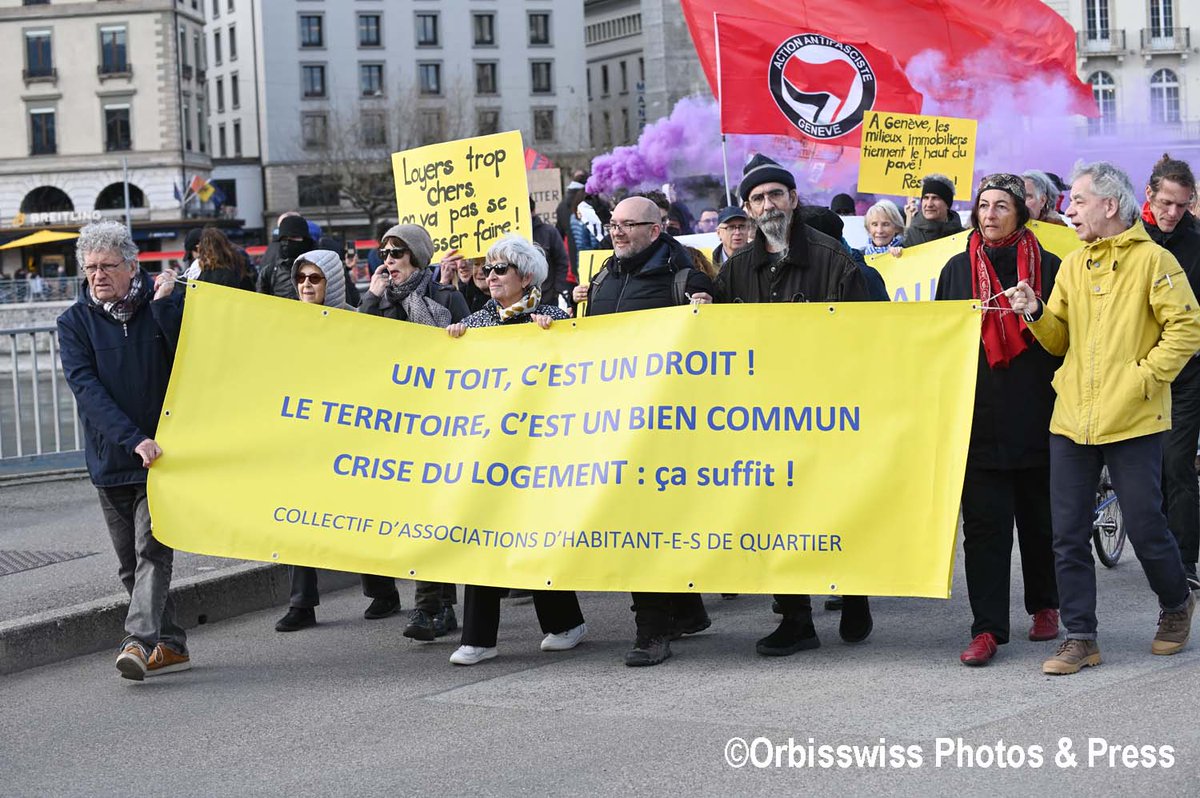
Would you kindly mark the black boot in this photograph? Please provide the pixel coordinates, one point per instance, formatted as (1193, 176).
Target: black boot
(382, 607)
(648, 651)
(445, 621)
(297, 618)
(420, 626)
(792, 635)
(856, 624)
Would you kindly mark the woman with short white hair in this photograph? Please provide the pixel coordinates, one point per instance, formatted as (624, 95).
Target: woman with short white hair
(885, 229)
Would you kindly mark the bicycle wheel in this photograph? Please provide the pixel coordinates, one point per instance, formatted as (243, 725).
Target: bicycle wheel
(1108, 526)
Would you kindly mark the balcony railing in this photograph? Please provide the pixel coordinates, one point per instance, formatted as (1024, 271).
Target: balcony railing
(1166, 40)
(1100, 42)
(1163, 132)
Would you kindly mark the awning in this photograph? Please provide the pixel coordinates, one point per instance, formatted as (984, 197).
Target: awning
(40, 237)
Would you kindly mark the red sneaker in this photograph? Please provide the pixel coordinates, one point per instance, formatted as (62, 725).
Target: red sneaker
(981, 650)
(1045, 625)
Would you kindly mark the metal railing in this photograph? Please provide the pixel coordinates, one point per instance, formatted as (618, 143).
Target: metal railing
(1105, 42)
(1166, 40)
(50, 289)
(38, 415)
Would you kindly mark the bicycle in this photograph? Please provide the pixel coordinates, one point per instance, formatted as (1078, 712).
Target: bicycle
(1108, 525)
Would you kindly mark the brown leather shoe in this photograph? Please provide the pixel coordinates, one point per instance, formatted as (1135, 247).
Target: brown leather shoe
(1072, 655)
(1174, 628)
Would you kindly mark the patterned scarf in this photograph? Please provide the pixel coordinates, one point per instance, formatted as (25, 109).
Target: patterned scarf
(525, 304)
(122, 309)
(1005, 335)
(413, 296)
(871, 249)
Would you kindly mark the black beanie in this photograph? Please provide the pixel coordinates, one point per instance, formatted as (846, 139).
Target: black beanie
(939, 187)
(762, 169)
(193, 238)
(822, 219)
(294, 227)
(842, 205)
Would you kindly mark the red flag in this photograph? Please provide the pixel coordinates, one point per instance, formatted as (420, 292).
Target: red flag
(799, 82)
(1029, 38)
(535, 160)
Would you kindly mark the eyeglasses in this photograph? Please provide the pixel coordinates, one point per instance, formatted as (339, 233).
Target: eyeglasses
(499, 269)
(613, 228)
(774, 195)
(395, 252)
(734, 228)
(313, 278)
(107, 268)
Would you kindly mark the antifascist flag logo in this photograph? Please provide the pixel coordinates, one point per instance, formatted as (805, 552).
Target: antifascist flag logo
(821, 85)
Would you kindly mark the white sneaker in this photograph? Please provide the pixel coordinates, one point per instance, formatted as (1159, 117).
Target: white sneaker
(565, 641)
(470, 655)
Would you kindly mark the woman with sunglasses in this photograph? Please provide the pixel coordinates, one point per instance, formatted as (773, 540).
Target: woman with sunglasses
(515, 270)
(320, 279)
(406, 289)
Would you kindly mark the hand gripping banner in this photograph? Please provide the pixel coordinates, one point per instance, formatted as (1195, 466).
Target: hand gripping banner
(737, 448)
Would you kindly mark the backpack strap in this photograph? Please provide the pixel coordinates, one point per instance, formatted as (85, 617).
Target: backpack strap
(679, 285)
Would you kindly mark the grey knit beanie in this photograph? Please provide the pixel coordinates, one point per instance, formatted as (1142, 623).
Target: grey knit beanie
(416, 239)
(330, 264)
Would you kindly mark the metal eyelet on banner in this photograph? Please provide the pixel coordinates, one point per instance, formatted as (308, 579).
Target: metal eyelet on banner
(547, 583)
(691, 585)
(274, 555)
(833, 587)
(832, 309)
(324, 312)
(412, 573)
(166, 412)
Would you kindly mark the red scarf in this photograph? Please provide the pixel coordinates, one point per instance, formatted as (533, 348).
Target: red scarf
(1004, 333)
(1148, 214)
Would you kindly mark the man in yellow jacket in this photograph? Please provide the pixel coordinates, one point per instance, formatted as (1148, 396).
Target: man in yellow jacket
(1125, 318)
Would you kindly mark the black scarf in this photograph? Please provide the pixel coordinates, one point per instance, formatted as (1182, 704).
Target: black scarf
(634, 263)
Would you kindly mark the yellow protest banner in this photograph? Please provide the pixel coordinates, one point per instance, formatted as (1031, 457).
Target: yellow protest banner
(913, 276)
(682, 449)
(898, 150)
(466, 193)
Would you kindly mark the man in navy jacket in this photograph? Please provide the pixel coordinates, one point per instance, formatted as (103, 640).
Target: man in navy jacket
(118, 343)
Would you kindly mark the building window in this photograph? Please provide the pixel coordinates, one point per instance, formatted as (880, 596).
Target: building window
(312, 30)
(543, 124)
(369, 31)
(312, 80)
(1162, 19)
(221, 143)
(1104, 90)
(235, 94)
(485, 77)
(1095, 21)
(201, 125)
(624, 125)
(232, 43)
(487, 121)
(114, 56)
(229, 8)
(316, 190)
(216, 8)
(220, 95)
(485, 28)
(624, 78)
(217, 48)
(604, 80)
(38, 55)
(641, 70)
(606, 121)
(430, 78)
(370, 80)
(431, 126)
(315, 130)
(374, 130)
(541, 78)
(427, 30)
(42, 140)
(539, 27)
(237, 139)
(1164, 97)
(588, 71)
(187, 125)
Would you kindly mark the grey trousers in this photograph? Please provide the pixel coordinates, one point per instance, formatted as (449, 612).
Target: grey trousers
(144, 568)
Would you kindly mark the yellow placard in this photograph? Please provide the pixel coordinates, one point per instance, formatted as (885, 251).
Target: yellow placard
(466, 193)
(898, 150)
(681, 449)
(913, 276)
(590, 261)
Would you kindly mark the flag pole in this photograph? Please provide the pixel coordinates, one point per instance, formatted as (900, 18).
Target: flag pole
(720, 115)
(725, 164)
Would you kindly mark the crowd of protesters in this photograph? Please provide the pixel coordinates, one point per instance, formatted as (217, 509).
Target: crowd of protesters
(1085, 362)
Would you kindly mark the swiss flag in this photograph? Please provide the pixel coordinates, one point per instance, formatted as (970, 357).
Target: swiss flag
(792, 81)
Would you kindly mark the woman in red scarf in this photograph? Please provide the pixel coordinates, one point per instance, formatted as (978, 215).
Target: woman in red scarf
(1008, 462)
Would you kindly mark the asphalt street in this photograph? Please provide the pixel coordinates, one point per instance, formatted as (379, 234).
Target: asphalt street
(350, 707)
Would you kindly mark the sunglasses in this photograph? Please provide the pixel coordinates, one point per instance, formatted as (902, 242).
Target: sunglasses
(301, 279)
(500, 269)
(395, 252)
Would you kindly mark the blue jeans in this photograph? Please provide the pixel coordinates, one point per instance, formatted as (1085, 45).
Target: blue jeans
(145, 569)
(1135, 466)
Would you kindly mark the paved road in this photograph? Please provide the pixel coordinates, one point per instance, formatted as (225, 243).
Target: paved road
(352, 708)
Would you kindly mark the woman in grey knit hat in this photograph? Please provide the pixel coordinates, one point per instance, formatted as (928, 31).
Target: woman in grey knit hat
(320, 279)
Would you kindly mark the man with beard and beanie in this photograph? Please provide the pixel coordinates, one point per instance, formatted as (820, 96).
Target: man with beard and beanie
(1166, 217)
(275, 276)
(1123, 317)
(789, 261)
(931, 218)
(649, 269)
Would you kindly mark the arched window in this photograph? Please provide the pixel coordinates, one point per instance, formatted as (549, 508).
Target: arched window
(1104, 90)
(1164, 96)
(113, 197)
(46, 199)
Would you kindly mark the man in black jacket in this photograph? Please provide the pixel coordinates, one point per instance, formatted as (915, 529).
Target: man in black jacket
(118, 344)
(1168, 221)
(792, 262)
(649, 269)
(275, 273)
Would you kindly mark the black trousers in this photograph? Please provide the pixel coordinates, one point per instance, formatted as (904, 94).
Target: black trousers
(432, 596)
(305, 593)
(557, 611)
(1182, 493)
(991, 500)
(653, 612)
